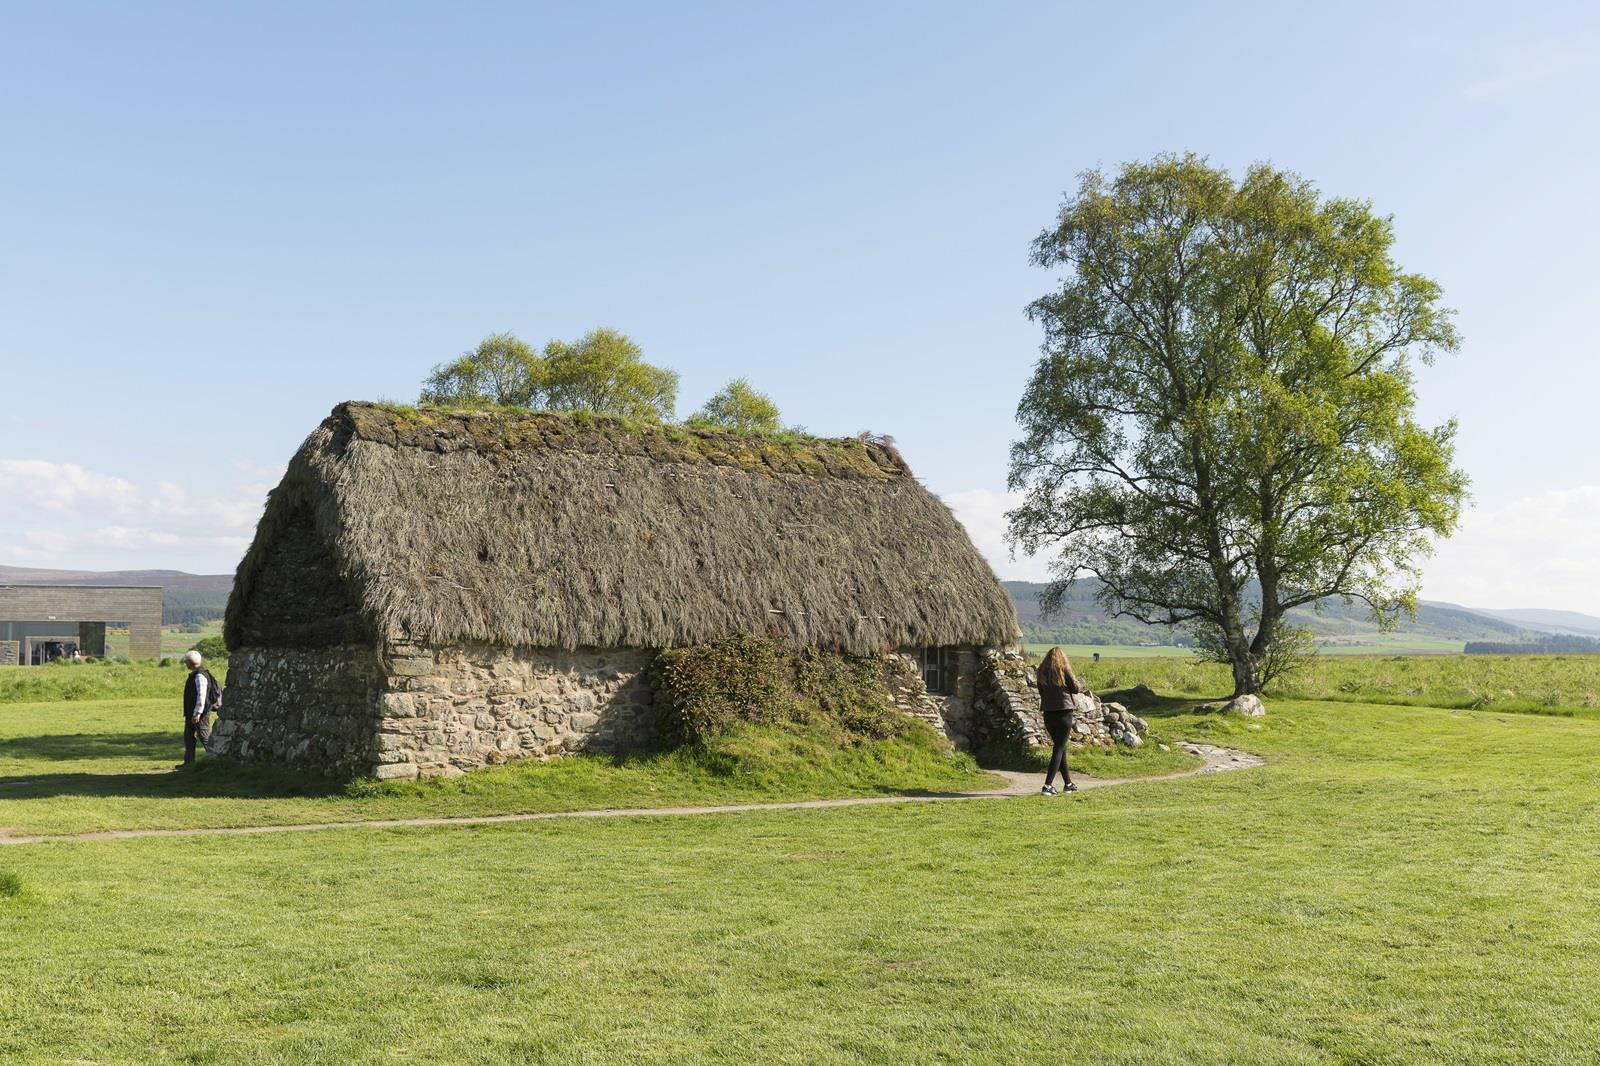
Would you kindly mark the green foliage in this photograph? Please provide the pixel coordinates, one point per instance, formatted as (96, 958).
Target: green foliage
(192, 607)
(704, 690)
(212, 648)
(10, 885)
(1225, 401)
(739, 407)
(605, 372)
(502, 370)
(602, 372)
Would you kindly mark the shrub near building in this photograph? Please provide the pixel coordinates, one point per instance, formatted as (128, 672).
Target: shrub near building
(706, 690)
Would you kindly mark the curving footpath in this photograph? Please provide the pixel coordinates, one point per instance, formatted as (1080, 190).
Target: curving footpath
(1217, 760)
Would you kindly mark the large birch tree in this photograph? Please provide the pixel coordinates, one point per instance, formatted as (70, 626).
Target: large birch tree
(1222, 424)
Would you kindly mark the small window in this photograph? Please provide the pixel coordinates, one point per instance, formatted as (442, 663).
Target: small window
(937, 670)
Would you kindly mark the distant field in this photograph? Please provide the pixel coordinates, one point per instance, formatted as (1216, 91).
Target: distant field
(1546, 684)
(174, 639)
(1111, 651)
(1398, 645)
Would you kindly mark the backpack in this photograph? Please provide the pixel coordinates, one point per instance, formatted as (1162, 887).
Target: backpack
(213, 693)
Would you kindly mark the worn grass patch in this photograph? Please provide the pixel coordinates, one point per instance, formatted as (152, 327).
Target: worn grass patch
(1117, 762)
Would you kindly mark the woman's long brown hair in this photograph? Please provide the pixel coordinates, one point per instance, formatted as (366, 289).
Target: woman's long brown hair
(1056, 672)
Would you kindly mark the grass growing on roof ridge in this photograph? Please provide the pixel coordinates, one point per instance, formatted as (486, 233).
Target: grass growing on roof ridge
(707, 440)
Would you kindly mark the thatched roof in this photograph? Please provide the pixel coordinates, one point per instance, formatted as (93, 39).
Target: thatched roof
(580, 531)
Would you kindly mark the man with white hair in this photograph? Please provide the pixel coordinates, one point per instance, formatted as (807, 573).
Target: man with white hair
(201, 693)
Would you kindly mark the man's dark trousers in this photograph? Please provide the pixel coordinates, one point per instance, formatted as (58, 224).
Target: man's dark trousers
(191, 730)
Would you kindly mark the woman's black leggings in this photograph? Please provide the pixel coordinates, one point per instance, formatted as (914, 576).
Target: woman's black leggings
(1059, 726)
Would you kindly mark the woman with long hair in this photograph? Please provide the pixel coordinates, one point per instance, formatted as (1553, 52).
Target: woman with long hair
(1057, 685)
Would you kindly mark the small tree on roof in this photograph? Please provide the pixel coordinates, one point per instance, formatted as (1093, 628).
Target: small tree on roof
(603, 371)
(738, 406)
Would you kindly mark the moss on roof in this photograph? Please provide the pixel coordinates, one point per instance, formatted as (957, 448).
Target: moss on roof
(490, 430)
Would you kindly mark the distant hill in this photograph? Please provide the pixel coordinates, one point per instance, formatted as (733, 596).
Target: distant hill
(1082, 621)
(1569, 623)
(189, 598)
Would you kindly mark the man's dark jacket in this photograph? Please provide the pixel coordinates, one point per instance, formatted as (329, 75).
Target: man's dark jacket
(190, 691)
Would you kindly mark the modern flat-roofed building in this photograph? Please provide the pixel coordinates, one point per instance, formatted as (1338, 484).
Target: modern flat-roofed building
(39, 623)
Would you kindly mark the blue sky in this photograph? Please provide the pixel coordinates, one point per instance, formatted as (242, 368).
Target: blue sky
(219, 222)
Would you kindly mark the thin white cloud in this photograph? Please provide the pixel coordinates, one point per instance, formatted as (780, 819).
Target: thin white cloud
(1538, 551)
(983, 512)
(64, 515)
(64, 487)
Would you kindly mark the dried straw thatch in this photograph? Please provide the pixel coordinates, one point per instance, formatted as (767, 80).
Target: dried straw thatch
(571, 531)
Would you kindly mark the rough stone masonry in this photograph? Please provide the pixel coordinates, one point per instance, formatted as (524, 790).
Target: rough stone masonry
(414, 710)
(429, 711)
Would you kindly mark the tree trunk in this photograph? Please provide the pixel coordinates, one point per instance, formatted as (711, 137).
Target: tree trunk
(1245, 679)
(1239, 653)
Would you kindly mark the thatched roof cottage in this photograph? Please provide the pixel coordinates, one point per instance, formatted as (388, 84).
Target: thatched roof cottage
(431, 591)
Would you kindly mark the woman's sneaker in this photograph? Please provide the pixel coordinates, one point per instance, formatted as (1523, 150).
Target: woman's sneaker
(1069, 787)
(1049, 790)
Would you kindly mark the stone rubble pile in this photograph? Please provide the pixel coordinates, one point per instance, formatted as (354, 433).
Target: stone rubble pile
(1010, 694)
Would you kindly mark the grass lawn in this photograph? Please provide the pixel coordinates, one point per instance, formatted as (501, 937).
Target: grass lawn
(90, 765)
(99, 680)
(1396, 885)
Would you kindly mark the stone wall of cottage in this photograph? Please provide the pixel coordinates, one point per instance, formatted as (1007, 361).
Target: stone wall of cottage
(409, 710)
(314, 708)
(951, 714)
(1007, 714)
(446, 710)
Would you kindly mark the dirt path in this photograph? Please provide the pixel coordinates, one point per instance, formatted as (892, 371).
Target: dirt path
(1217, 760)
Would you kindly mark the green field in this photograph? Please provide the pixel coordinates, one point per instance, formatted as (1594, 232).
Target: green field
(1399, 884)
(1087, 652)
(72, 682)
(1544, 684)
(1398, 645)
(175, 640)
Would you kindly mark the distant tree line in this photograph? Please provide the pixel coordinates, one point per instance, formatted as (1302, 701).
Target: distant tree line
(192, 607)
(1107, 631)
(603, 371)
(1557, 644)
